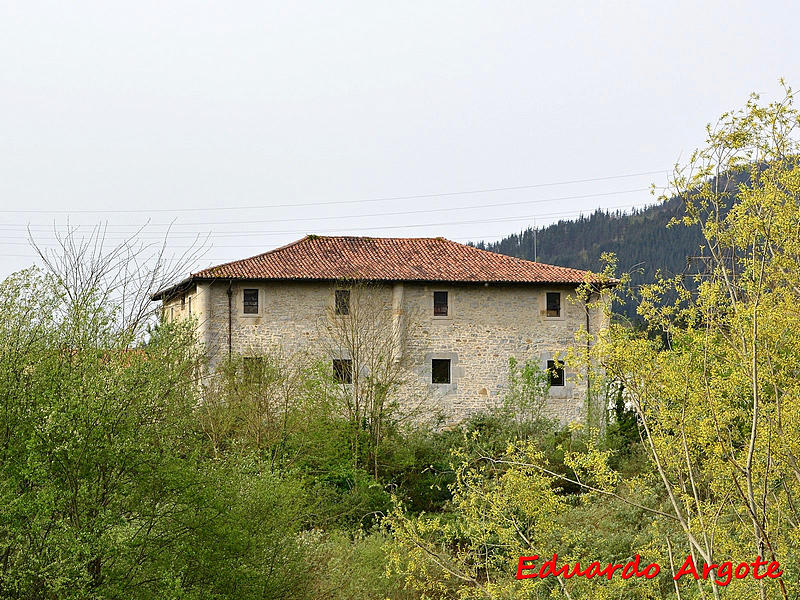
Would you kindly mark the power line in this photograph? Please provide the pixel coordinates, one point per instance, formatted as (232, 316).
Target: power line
(15, 227)
(468, 238)
(405, 226)
(384, 227)
(331, 202)
(463, 239)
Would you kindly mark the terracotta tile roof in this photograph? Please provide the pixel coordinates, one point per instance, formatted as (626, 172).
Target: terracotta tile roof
(390, 259)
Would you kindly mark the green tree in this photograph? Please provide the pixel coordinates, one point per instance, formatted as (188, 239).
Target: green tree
(713, 381)
(106, 485)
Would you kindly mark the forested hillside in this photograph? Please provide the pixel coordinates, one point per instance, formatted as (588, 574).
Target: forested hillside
(641, 240)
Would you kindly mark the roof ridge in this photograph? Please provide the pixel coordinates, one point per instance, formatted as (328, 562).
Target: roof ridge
(440, 238)
(516, 258)
(367, 237)
(260, 254)
(390, 259)
(311, 237)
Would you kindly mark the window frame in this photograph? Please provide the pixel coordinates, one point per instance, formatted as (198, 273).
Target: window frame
(546, 312)
(432, 304)
(556, 375)
(446, 304)
(337, 306)
(434, 371)
(342, 370)
(245, 304)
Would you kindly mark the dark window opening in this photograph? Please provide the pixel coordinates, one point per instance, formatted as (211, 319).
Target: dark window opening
(190, 305)
(439, 304)
(250, 302)
(555, 371)
(553, 304)
(183, 301)
(342, 302)
(440, 370)
(343, 370)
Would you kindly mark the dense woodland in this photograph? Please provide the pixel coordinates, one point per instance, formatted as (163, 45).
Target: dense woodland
(639, 238)
(129, 470)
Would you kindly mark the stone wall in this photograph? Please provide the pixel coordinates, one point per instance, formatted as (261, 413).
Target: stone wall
(485, 326)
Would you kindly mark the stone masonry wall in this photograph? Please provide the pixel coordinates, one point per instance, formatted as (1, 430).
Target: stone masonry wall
(485, 326)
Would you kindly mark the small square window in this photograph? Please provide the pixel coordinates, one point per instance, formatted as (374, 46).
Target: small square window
(553, 304)
(250, 302)
(439, 304)
(343, 370)
(440, 370)
(342, 302)
(555, 371)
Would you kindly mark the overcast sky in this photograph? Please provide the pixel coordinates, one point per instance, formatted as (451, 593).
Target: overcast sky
(260, 122)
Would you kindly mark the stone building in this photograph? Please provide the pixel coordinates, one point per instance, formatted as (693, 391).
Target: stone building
(463, 313)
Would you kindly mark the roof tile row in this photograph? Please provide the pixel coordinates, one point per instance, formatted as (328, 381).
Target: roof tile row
(390, 259)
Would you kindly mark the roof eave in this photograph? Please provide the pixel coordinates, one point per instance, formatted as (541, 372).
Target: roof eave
(170, 291)
(186, 282)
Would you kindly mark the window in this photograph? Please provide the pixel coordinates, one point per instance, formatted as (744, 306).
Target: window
(440, 370)
(555, 371)
(553, 304)
(183, 302)
(342, 302)
(250, 302)
(190, 306)
(439, 304)
(171, 314)
(343, 370)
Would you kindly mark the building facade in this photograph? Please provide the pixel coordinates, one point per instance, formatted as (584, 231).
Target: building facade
(454, 314)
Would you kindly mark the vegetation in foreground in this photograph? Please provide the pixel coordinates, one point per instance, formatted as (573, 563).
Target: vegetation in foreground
(124, 474)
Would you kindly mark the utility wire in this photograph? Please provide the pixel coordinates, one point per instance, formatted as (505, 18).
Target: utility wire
(462, 239)
(331, 202)
(16, 227)
(384, 227)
